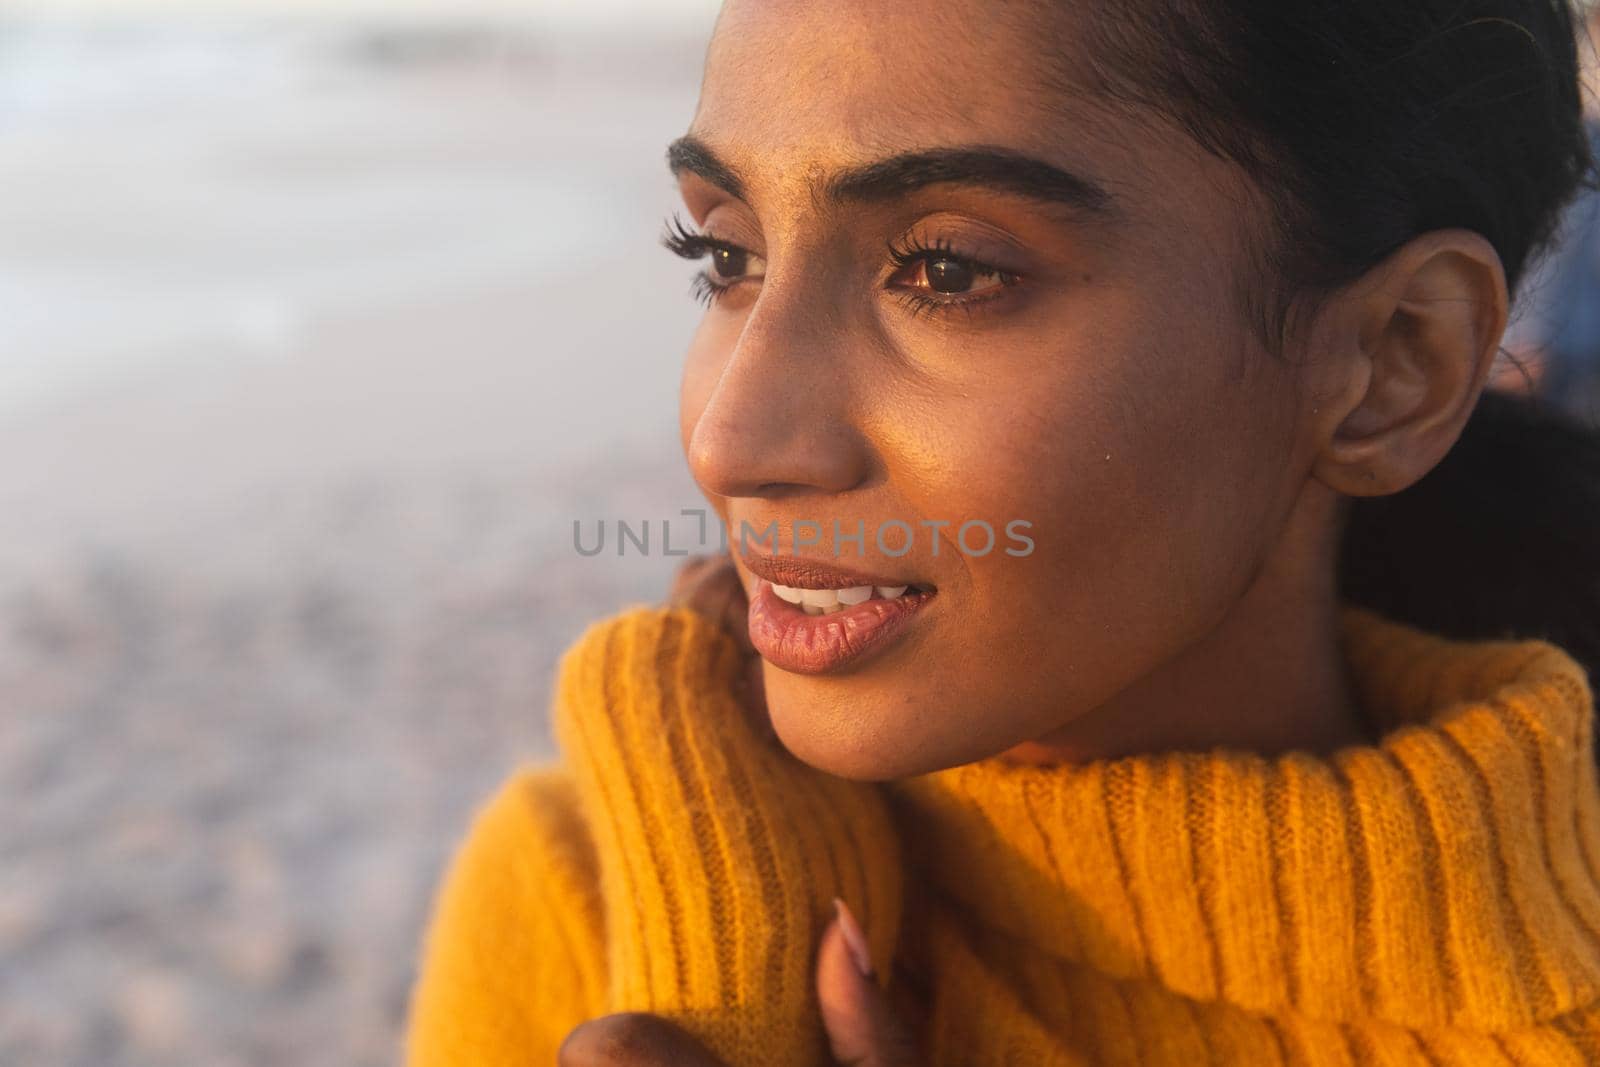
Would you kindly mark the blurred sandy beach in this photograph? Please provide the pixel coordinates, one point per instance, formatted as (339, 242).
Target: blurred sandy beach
(317, 336)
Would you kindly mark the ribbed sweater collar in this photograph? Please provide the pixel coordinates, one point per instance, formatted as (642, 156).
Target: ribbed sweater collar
(1448, 874)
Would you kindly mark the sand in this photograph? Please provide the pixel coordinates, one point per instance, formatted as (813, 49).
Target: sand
(307, 380)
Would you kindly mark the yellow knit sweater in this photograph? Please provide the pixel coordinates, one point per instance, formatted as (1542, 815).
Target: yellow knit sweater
(1431, 900)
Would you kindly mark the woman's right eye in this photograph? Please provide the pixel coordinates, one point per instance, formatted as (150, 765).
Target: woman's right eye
(729, 263)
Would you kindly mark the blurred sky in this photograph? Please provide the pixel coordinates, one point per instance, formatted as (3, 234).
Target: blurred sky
(249, 243)
(572, 12)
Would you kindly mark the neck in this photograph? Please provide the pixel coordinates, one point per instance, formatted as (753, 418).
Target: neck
(1278, 647)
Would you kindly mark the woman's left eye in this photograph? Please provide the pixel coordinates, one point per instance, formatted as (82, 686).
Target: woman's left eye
(936, 278)
(949, 276)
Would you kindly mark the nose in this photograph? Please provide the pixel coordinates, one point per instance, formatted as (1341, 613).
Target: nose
(777, 421)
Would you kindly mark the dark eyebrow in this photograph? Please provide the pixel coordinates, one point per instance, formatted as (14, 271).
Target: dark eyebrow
(981, 165)
(993, 168)
(694, 156)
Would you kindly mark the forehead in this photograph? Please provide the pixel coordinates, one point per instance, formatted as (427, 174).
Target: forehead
(795, 90)
(946, 59)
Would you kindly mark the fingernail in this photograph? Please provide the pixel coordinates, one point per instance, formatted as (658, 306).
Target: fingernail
(854, 940)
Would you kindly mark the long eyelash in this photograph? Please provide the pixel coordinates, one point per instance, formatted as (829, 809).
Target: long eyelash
(911, 251)
(705, 290)
(681, 241)
(920, 304)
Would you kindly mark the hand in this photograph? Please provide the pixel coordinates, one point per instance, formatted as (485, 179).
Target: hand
(864, 1029)
(710, 586)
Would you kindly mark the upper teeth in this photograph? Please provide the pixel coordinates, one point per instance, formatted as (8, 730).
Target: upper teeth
(827, 601)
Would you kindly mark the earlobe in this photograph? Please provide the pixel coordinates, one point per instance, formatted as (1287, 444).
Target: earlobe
(1430, 318)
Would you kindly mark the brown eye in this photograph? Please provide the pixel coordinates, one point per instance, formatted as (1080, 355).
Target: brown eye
(948, 275)
(730, 263)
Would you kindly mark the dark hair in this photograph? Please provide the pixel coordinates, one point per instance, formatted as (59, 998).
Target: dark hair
(1371, 122)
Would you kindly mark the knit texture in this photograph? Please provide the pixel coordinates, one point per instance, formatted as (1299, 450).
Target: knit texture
(1433, 899)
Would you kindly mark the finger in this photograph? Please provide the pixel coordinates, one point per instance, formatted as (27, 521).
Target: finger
(633, 1039)
(864, 1030)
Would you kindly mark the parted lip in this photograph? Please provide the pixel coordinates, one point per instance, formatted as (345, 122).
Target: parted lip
(798, 572)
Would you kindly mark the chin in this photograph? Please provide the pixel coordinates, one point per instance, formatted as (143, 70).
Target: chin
(854, 736)
(842, 760)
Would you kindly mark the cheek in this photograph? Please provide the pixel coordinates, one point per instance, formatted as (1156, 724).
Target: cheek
(1122, 420)
(1149, 469)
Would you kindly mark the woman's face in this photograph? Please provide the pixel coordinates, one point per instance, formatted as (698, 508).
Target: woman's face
(956, 289)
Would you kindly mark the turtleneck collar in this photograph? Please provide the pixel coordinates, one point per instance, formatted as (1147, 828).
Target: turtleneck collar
(1448, 874)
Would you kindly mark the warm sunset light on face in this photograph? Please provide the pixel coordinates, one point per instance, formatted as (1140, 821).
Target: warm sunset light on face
(1084, 370)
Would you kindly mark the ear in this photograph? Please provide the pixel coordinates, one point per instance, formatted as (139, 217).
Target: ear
(1420, 333)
